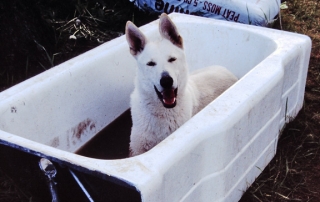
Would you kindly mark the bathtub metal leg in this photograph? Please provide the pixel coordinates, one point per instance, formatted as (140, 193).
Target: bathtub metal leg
(81, 186)
(50, 171)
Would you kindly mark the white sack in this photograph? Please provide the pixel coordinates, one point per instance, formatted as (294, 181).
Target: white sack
(255, 12)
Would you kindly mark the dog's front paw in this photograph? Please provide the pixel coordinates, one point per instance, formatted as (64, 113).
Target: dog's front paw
(137, 149)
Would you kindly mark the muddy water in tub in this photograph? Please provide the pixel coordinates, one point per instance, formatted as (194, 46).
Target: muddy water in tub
(112, 142)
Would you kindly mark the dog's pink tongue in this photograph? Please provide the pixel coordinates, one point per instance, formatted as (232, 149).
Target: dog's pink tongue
(168, 97)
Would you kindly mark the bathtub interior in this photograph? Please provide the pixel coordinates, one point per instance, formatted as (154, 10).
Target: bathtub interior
(69, 104)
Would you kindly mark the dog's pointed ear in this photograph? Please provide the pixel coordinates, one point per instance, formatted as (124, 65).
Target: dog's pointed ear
(135, 38)
(169, 31)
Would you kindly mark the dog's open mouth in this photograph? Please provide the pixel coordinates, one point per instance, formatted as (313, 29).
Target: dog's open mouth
(167, 97)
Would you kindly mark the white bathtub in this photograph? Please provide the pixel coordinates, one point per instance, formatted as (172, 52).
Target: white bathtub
(215, 156)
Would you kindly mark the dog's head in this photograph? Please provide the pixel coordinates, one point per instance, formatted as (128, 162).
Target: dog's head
(162, 66)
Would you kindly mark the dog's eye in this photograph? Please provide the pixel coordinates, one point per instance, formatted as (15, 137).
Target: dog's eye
(172, 59)
(151, 63)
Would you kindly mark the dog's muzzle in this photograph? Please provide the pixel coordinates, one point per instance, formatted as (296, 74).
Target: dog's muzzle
(169, 94)
(167, 97)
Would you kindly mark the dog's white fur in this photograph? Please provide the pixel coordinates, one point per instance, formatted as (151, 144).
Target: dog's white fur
(152, 122)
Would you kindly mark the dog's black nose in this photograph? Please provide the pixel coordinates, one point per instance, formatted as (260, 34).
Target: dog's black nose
(166, 81)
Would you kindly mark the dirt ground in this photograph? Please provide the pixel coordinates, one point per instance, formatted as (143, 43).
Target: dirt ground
(35, 36)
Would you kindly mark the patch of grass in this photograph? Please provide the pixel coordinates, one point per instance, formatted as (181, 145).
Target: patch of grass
(68, 28)
(10, 191)
(287, 177)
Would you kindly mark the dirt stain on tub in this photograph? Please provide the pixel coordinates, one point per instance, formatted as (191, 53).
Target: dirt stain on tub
(112, 142)
(81, 129)
(55, 142)
(13, 109)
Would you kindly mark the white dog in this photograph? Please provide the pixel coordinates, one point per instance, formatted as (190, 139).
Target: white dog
(165, 96)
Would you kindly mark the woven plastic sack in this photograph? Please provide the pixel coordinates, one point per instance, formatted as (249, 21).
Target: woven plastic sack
(254, 12)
